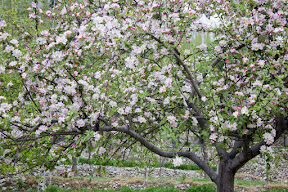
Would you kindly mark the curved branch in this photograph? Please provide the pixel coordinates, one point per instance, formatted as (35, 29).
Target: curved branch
(189, 74)
(190, 155)
(31, 98)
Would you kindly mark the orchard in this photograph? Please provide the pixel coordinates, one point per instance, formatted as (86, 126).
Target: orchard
(106, 72)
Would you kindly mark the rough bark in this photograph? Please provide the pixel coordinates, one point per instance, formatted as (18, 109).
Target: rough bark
(226, 182)
(226, 175)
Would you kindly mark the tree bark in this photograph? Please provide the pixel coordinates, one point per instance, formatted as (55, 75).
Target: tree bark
(74, 165)
(225, 179)
(285, 140)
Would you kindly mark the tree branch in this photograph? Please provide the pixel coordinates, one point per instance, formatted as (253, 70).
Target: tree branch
(176, 54)
(252, 152)
(190, 155)
(218, 59)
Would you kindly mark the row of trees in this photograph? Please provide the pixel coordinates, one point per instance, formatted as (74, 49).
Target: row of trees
(126, 72)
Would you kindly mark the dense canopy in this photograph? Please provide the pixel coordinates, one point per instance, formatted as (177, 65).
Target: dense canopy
(106, 72)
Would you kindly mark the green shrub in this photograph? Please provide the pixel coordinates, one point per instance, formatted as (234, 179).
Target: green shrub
(52, 188)
(126, 189)
(202, 188)
(160, 189)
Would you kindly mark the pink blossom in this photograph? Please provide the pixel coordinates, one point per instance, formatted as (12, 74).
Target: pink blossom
(115, 124)
(137, 110)
(113, 104)
(162, 89)
(141, 119)
(41, 129)
(45, 33)
(2, 24)
(33, 5)
(257, 46)
(239, 93)
(218, 49)
(168, 82)
(257, 83)
(261, 63)
(80, 123)
(61, 39)
(24, 75)
(202, 47)
(16, 53)
(267, 87)
(236, 114)
(199, 78)
(204, 99)
(187, 52)
(15, 42)
(101, 150)
(114, 5)
(195, 121)
(244, 111)
(141, 3)
(121, 111)
(166, 101)
(57, 55)
(245, 131)
(213, 136)
(171, 119)
(13, 63)
(97, 136)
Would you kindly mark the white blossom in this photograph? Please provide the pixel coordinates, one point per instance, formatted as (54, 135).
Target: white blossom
(177, 161)
(268, 138)
(97, 136)
(80, 123)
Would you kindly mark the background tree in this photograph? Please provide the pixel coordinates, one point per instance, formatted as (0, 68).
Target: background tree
(126, 72)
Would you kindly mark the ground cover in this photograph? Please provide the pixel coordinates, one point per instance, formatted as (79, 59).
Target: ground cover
(97, 184)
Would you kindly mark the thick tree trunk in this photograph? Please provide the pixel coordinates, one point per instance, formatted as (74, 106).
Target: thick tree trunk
(225, 180)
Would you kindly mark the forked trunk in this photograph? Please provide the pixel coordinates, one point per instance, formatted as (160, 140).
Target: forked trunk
(225, 180)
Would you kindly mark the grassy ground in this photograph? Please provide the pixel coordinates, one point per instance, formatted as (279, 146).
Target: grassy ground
(93, 183)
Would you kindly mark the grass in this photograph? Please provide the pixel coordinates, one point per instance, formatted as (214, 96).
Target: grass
(98, 184)
(196, 188)
(201, 188)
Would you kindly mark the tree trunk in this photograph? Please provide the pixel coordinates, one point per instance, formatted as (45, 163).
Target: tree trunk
(225, 180)
(205, 154)
(285, 140)
(74, 163)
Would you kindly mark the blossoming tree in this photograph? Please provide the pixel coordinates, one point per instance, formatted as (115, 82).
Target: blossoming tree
(127, 72)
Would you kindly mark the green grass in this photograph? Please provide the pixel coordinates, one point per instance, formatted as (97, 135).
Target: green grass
(200, 188)
(201, 185)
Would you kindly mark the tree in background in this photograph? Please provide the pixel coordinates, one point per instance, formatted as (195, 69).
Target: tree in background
(122, 72)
